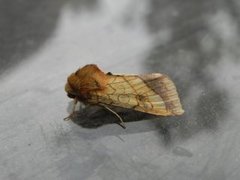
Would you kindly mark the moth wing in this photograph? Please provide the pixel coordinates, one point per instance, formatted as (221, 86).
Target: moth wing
(163, 86)
(153, 94)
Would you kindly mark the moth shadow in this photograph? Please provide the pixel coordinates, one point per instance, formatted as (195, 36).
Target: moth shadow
(96, 116)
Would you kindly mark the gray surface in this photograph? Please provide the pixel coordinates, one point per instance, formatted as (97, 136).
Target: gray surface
(194, 42)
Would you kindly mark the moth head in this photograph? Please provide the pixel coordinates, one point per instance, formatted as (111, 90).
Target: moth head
(70, 91)
(84, 81)
(76, 87)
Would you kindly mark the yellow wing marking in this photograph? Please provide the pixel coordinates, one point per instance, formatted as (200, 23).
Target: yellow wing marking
(139, 93)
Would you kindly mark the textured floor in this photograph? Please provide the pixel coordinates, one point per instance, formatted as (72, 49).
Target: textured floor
(195, 42)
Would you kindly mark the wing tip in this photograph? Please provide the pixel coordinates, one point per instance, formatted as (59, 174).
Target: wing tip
(166, 89)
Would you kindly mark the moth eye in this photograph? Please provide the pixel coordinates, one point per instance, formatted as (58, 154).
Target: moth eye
(109, 73)
(71, 95)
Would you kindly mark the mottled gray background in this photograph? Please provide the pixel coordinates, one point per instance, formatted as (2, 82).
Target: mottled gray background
(195, 42)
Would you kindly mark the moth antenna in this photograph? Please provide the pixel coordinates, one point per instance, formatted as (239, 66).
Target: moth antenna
(116, 114)
(75, 101)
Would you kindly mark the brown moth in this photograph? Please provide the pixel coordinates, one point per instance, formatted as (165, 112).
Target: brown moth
(151, 93)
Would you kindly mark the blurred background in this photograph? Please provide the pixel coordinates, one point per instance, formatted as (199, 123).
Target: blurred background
(195, 42)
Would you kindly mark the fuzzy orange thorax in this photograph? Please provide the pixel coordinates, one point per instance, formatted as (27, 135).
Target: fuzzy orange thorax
(86, 79)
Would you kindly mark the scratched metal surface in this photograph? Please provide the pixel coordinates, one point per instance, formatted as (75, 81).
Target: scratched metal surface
(194, 42)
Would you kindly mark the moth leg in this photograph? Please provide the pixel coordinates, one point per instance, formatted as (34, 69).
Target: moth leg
(73, 110)
(116, 114)
(81, 106)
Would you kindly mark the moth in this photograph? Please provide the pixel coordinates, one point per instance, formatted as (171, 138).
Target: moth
(150, 93)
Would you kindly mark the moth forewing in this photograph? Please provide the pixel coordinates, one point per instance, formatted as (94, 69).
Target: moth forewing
(164, 87)
(153, 94)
